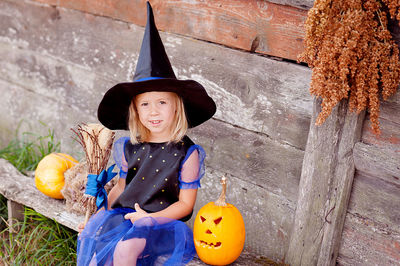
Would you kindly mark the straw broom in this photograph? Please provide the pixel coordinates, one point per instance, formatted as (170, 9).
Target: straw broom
(97, 142)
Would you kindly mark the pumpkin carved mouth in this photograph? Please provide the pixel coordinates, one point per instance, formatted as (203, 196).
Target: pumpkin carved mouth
(211, 245)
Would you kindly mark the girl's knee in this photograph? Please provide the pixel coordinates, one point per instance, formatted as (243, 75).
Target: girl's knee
(131, 247)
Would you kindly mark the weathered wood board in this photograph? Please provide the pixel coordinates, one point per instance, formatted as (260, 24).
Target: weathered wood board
(389, 120)
(15, 213)
(372, 228)
(253, 158)
(379, 162)
(304, 4)
(371, 233)
(377, 200)
(57, 63)
(268, 217)
(274, 27)
(21, 189)
(325, 187)
(268, 27)
(263, 180)
(364, 243)
(75, 57)
(388, 139)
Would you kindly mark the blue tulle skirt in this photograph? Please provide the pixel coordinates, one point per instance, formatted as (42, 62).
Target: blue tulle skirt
(166, 241)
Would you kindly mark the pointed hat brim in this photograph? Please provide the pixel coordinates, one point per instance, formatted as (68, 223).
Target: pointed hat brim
(113, 111)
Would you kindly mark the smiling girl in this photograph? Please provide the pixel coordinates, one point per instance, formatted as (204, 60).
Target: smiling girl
(160, 167)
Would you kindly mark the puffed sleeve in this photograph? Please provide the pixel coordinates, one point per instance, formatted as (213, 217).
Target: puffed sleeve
(192, 169)
(119, 156)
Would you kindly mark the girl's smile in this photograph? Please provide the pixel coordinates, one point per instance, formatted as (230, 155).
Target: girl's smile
(156, 112)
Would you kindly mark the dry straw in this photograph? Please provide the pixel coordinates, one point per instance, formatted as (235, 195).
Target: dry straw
(352, 54)
(97, 142)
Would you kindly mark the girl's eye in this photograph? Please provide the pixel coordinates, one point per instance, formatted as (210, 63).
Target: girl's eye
(144, 104)
(163, 102)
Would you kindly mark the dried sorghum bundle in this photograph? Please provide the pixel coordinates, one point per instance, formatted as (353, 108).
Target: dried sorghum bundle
(352, 54)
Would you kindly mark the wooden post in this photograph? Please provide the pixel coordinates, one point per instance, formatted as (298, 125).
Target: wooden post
(15, 213)
(325, 187)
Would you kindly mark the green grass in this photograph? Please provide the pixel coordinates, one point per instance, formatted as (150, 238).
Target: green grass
(37, 240)
(25, 151)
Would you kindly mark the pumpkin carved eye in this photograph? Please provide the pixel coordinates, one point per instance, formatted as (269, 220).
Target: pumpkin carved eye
(202, 219)
(218, 220)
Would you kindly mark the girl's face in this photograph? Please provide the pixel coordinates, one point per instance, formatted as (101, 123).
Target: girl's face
(156, 112)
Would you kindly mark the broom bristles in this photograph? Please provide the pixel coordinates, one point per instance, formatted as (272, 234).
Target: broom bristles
(97, 142)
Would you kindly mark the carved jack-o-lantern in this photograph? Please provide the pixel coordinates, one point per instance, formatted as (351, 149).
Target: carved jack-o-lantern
(219, 231)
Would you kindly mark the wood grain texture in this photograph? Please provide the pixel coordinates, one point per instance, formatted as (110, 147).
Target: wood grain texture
(21, 189)
(57, 63)
(388, 139)
(15, 214)
(268, 217)
(365, 244)
(389, 121)
(274, 27)
(379, 162)
(252, 157)
(72, 57)
(304, 4)
(372, 228)
(377, 200)
(325, 187)
(259, 26)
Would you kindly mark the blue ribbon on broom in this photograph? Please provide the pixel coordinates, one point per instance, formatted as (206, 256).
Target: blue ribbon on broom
(95, 186)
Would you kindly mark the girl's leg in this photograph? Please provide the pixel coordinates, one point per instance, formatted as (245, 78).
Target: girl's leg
(93, 261)
(126, 252)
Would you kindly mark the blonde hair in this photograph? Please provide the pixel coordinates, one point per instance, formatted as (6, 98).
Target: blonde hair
(139, 133)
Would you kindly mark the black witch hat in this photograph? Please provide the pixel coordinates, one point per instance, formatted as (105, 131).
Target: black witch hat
(154, 73)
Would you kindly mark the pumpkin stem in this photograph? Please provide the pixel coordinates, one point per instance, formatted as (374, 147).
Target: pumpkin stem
(221, 200)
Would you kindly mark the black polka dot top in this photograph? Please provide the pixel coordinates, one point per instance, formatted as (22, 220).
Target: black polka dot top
(152, 177)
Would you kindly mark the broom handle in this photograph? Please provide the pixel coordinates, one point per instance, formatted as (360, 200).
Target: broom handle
(90, 208)
(87, 216)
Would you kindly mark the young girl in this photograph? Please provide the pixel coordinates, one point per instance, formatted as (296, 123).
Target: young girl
(160, 167)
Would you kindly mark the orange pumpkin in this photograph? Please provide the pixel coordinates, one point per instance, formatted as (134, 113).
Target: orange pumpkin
(49, 174)
(219, 231)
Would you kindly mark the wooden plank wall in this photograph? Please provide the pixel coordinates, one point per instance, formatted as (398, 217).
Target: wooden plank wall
(61, 60)
(372, 227)
(266, 27)
(56, 63)
(325, 186)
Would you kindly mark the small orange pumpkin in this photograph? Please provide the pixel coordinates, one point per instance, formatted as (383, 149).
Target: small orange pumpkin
(219, 231)
(49, 174)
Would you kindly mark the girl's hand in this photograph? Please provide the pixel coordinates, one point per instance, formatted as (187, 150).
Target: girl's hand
(81, 226)
(134, 216)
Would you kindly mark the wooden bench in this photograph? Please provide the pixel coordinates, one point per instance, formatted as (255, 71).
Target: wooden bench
(20, 191)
